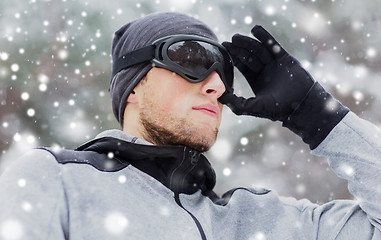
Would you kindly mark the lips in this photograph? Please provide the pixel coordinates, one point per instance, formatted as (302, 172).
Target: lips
(209, 109)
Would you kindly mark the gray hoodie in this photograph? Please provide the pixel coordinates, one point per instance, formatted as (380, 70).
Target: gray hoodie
(43, 198)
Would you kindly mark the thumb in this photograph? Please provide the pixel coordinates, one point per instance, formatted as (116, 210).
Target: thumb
(254, 106)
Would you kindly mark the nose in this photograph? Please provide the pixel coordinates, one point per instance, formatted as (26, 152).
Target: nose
(213, 85)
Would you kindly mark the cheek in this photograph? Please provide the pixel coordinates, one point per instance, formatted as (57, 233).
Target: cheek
(176, 103)
(177, 96)
(169, 93)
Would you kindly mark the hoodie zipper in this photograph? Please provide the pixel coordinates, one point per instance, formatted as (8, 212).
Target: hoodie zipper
(198, 224)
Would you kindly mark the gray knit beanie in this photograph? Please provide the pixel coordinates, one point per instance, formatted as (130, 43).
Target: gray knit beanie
(140, 33)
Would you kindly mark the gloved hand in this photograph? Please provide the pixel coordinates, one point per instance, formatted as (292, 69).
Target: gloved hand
(283, 89)
(278, 80)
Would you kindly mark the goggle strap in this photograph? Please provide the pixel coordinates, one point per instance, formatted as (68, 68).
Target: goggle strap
(132, 58)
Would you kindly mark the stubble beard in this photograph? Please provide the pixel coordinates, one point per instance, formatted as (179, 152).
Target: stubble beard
(160, 128)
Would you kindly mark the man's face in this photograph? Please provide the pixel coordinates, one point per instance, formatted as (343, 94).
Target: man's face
(174, 111)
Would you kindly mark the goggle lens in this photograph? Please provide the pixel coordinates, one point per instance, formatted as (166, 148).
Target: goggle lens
(194, 56)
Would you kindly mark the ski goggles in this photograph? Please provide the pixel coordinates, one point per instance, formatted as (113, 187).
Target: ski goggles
(192, 57)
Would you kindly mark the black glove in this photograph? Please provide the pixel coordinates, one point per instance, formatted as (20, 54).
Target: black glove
(283, 89)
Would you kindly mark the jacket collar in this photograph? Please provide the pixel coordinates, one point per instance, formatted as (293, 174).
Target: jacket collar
(116, 133)
(179, 168)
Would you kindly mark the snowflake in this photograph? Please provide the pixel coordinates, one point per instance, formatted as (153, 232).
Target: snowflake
(11, 229)
(4, 56)
(221, 149)
(122, 179)
(72, 125)
(116, 223)
(270, 10)
(348, 170)
(30, 112)
(164, 211)
(359, 96)
(371, 52)
(17, 137)
(276, 48)
(300, 188)
(244, 141)
(21, 182)
(43, 87)
(110, 155)
(43, 78)
(227, 172)
(25, 96)
(15, 67)
(63, 54)
(248, 20)
(26, 206)
(98, 34)
(258, 236)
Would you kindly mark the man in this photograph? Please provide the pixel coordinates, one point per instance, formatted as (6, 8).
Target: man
(150, 181)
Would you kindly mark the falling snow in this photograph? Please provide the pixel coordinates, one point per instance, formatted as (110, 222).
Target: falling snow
(347, 170)
(31, 112)
(21, 182)
(11, 230)
(116, 223)
(164, 211)
(15, 67)
(26, 206)
(258, 236)
(122, 179)
(55, 70)
(244, 141)
(248, 19)
(227, 172)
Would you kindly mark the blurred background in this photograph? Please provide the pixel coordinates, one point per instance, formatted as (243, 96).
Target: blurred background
(55, 70)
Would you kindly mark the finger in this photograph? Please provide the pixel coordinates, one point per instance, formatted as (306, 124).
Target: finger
(253, 46)
(268, 41)
(235, 55)
(243, 60)
(249, 66)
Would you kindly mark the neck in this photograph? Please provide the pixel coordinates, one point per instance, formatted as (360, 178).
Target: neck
(132, 126)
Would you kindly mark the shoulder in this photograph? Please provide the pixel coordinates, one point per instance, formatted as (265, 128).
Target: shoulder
(35, 176)
(35, 159)
(33, 194)
(34, 164)
(226, 197)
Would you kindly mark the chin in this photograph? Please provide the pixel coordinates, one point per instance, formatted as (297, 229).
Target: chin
(203, 140)
(171, 130)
